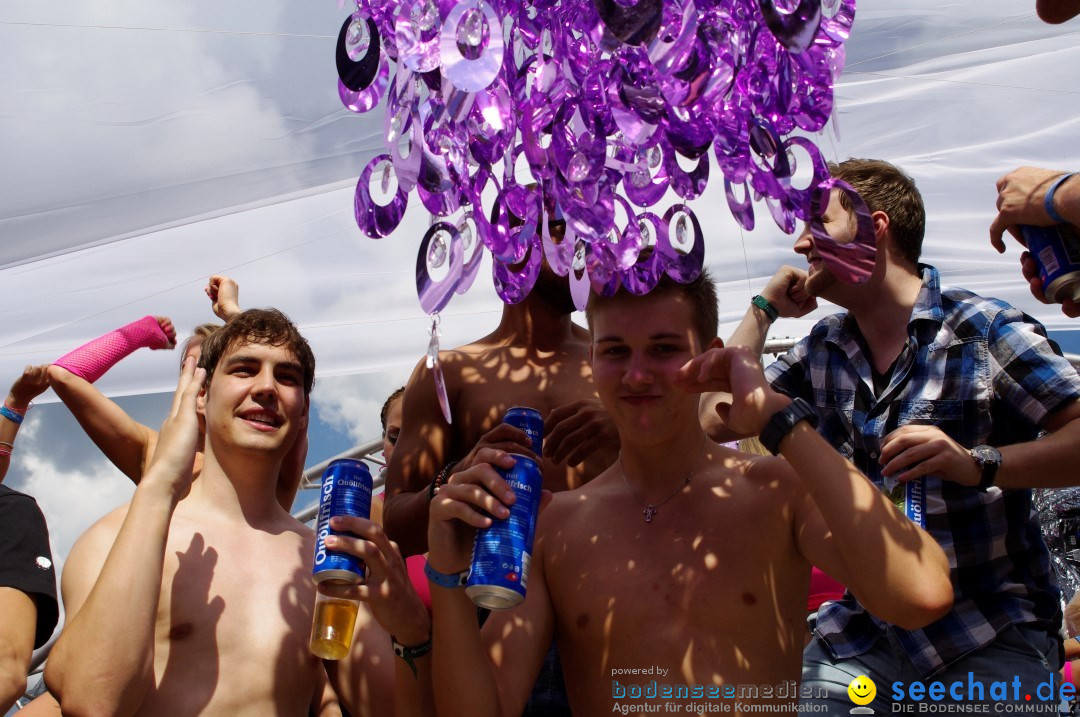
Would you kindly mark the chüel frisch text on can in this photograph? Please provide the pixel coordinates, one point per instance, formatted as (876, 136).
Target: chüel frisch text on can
(346, 490)
(531, 422)
(502, 552)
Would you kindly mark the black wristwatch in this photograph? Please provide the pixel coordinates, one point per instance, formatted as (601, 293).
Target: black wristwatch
(783, 421)
(988, 459)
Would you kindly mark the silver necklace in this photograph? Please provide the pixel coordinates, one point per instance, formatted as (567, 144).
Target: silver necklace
(650, 509)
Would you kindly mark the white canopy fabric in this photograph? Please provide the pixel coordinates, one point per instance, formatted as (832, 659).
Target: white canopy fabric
(146, 146)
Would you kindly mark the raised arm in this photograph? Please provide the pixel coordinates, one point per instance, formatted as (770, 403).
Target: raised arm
(31, 384)
(846, 525)
(488, 675)
(785, 293)
(103, 661)
(124, 441)
(224, 296)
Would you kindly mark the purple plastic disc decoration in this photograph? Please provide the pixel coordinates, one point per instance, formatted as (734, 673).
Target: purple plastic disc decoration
(417, 34)
(435, 366)
(472, 45)
(851, 261)
(363, 70)
(513, 282)
(575, 108)
(796, 29)
(378, 220)
(682, 245)
(440, 249)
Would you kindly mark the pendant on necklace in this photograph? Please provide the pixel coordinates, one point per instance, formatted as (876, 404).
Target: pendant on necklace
(649, 512)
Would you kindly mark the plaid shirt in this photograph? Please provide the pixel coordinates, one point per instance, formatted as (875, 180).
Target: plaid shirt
(984, 373)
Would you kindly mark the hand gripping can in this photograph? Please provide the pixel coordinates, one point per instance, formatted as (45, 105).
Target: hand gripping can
(530, 421)
(1056, 250)
(503, 551)
(346, 490)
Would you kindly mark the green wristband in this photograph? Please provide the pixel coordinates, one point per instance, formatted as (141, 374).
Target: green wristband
(762, 303)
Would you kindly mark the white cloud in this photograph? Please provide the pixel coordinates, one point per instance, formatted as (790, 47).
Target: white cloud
(351, 404)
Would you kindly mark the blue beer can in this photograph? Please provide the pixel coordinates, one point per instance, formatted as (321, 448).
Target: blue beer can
(531, 422)
(346, 490)
(502, 552)
(1056, 250)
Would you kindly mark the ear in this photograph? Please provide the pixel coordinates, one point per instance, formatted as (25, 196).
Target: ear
(200, 401)
(881, 224)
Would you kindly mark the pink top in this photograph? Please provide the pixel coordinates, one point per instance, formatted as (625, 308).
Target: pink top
(823, 588)
(415, 565)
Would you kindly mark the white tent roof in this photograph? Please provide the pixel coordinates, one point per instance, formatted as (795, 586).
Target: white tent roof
(146, 146)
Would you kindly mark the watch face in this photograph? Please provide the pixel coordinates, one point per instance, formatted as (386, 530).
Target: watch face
(986, 454)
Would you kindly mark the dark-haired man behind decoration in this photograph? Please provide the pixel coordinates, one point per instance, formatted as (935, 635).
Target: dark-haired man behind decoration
(937, 395)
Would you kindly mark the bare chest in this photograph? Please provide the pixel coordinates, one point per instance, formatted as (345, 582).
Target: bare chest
(237, 606)
(487, 391)
(706, 592)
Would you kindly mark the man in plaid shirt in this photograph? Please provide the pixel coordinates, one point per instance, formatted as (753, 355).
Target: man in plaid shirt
(937, 396)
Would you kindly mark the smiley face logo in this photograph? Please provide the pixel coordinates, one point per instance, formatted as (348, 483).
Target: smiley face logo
(862, 690)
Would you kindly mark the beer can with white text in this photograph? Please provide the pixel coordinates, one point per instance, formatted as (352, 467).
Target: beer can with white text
(1056, 250)
(531, 422)
(502, 552)
(346, 490)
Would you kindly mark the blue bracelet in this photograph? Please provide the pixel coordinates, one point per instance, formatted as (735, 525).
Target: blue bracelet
(445, 580)
(1048, 200)
(11, 415)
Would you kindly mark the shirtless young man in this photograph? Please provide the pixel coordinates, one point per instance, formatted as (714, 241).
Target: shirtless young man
(708, 585)
(535, 357)
(196, 598)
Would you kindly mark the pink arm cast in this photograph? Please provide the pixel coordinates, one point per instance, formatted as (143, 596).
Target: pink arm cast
(90, 361)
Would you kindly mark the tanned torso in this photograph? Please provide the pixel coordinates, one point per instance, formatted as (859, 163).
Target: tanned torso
(233, 620)
(487, 377)
(715, 581)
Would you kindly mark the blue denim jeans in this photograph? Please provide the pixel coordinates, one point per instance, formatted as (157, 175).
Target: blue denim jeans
(1023, 657)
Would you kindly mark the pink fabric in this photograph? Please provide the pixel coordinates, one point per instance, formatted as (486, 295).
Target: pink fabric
(823, 588)
(1067, 673)
(91, 361)
(415, 565)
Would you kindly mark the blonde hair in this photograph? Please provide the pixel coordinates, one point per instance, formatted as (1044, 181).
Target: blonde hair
(1072, 615)
(202, 331)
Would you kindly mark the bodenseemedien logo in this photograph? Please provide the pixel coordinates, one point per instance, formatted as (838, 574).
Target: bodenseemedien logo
(862, 691)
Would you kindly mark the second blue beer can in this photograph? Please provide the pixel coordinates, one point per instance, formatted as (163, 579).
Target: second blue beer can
(1056, 250)
(346, 490)
(502, 552)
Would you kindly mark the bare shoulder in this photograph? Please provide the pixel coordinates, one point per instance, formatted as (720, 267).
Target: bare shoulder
(749, 478)
(100, 536)
(87, 557)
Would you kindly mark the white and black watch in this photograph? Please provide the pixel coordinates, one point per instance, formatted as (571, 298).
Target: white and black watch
(988, 459)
